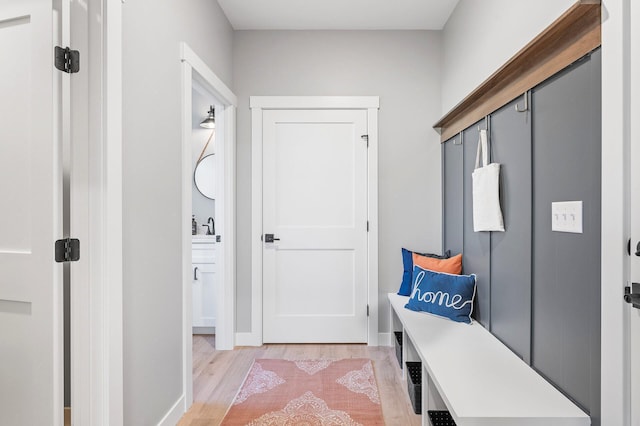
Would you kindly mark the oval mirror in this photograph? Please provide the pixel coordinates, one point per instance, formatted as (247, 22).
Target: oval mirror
(204, 176)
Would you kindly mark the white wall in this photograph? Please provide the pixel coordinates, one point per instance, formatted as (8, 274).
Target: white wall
(481, 36)
(403, 68)
(151, 191)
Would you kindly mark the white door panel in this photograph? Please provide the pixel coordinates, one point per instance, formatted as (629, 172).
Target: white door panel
(30, 280)
(321, 292)
(315, 173)
(15, 131)
(315, 202)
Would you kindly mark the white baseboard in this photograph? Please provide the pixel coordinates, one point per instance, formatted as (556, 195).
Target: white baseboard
(174, 415)
(247, 339)
(203, 330)
(384, 339)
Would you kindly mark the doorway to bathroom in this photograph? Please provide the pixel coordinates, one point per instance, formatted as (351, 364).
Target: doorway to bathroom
(208, 210)
(205, 238)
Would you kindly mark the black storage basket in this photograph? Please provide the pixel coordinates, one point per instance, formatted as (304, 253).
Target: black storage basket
(414, 385)
(440, 418)
(398, 345)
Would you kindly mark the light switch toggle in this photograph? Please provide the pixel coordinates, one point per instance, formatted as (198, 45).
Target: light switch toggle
(566, 216)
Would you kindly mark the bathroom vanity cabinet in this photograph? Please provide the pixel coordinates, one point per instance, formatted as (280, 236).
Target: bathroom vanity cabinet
(204, 281)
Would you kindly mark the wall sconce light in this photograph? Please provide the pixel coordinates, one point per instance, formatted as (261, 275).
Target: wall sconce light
(210, 121)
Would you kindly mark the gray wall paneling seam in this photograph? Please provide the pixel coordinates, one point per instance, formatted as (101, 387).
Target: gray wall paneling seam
(453, 195)
(566, 267)
(443, 206)
(443, 195)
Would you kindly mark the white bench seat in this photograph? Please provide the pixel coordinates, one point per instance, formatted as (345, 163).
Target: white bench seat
(479, 379)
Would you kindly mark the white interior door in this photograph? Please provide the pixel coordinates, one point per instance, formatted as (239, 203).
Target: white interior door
(30, 218)
(315, 201)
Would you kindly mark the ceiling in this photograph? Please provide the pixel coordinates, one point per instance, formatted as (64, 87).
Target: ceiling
(338, 14)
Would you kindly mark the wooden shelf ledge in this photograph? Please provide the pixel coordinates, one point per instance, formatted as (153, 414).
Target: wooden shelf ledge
(569, 38)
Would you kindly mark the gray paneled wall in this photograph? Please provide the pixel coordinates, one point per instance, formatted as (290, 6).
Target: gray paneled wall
(566, 267)
(538, 290)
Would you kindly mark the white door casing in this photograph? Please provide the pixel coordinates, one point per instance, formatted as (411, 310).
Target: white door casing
(195, 70)
(259, 106)
(616, 122)
(30, 168)
(315, 202)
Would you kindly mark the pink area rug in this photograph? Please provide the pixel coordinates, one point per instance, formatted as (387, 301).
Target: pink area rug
(318, 392)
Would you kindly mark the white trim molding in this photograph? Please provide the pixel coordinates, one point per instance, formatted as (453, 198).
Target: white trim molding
(174, 414)
(256, 226)
(616, 122)
(81, 211)
(372, 235)
(97, 393)
(208, 77)
(384, 339)
(247, 339)
(105, 211)
(186, 197)
(112, 234)
(314, 102)
(195, 70)
(260, 103)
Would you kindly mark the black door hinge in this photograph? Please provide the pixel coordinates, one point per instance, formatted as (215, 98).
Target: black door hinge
(67, 250)
(67, 60)
(367, 226)
(367, 310)
(366, 139)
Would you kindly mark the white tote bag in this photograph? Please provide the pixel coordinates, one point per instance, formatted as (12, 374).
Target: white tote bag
(487, 215)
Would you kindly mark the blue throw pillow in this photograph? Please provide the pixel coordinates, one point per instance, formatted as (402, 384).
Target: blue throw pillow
(407, 263)
(445, 295)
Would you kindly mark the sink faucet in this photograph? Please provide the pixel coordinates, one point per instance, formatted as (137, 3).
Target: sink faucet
(211, 230)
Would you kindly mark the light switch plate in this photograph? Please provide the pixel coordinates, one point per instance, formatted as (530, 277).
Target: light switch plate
(566, 216)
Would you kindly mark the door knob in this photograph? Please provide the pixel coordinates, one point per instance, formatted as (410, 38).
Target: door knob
(270, 238)
(632, 295)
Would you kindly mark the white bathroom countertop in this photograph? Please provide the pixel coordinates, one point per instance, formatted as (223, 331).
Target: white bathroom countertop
(203, 238)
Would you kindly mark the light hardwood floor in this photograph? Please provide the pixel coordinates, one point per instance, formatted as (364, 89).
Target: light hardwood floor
(217, 376)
